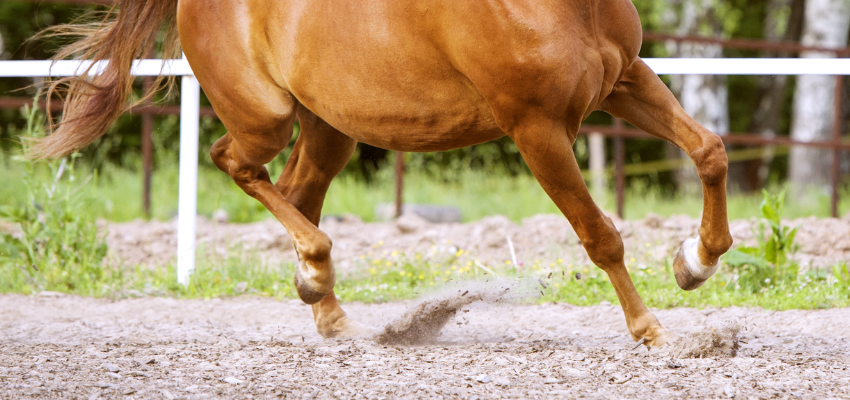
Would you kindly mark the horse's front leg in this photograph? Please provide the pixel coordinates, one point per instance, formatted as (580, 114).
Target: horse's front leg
(642, 99)
(546, 148)
(320, 153)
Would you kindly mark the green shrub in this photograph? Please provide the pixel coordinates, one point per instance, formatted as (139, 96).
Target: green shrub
(768, 262)
(59, 246)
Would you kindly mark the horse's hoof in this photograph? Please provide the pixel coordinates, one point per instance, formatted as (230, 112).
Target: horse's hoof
(344, 328)
(306, 293)
(660, 338)
(689, 271)
(684, 278)
(647, 331)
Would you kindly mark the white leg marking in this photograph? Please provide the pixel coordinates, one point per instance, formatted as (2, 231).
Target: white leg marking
(699, 271)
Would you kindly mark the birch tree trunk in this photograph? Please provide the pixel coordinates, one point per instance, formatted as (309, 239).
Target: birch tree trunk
(783, 22)
(704, 97)
(826, 24)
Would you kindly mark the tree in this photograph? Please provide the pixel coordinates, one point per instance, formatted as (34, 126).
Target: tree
(704, 97)
(783, 21)
(826, 25)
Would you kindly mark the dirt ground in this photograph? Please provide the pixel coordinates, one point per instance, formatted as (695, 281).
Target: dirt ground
(55, 346)
(822, 242)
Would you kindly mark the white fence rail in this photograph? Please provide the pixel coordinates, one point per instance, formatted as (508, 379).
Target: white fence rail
(190, 107)
(190, 103)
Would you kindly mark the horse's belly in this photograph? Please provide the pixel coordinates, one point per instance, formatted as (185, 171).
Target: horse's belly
(413, 133)
(406, 118)
(423, 140)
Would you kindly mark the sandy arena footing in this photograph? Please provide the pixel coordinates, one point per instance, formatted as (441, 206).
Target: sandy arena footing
(74, 347)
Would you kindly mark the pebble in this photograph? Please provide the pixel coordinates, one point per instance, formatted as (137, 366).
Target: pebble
(232, 380)
(483, 378)
(111, 367)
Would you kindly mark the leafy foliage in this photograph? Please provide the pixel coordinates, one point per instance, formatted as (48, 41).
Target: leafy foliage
(767, 262)
(59, 240)
(842, 275)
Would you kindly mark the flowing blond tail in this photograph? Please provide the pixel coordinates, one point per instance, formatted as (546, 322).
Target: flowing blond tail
(93, 101)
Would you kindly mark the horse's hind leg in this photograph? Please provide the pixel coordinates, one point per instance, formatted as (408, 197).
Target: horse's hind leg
(545, 146)
(320, 153)
(642, 99)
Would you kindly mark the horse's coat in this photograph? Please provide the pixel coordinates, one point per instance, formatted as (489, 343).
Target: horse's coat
(422, 75)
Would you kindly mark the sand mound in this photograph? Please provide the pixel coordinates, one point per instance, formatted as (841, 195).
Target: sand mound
(715, 342)
(422, 324)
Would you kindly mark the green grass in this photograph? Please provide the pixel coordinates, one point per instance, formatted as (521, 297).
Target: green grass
(397, 276)
(118, 196)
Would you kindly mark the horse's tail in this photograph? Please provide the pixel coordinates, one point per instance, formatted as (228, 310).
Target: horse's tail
(93, 101)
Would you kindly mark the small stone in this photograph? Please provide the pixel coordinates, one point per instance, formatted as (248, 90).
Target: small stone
(483, 378)
(410, 223)
(502, 382)
(620, 378)
(221, 216)
(550, 380)
(111, 367)
(233, 381)
(113, 375)
(241, 287)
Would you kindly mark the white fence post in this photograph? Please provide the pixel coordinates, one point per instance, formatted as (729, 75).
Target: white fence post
(187, 209)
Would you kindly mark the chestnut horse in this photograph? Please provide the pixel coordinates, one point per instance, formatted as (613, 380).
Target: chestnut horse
(405, 75)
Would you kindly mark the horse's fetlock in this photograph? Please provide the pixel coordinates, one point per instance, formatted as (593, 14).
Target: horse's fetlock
(719, 244)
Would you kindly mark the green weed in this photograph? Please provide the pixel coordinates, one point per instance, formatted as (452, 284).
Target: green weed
(841, 274)
(756, 267)
(59, 246)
